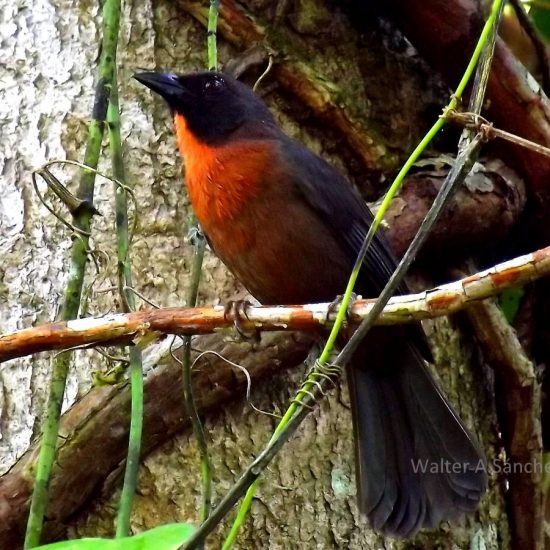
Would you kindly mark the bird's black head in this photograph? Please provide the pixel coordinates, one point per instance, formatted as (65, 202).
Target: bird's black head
(214, 105)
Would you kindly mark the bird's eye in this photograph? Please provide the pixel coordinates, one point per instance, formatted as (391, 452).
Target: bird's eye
(213, 85)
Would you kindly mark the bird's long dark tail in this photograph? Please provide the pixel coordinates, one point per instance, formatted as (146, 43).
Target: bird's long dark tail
(416, 462)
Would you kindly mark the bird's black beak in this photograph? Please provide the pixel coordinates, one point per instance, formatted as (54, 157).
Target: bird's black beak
(166, 85)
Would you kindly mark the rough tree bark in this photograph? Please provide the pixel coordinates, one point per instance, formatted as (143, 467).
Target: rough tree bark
(389, 97)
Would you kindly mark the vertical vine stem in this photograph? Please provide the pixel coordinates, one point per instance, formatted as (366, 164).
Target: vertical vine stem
(198, 428)
(198, 239)
(462, 166)
(128, 304)
(212, 31)
(134, 444)
(82, 219)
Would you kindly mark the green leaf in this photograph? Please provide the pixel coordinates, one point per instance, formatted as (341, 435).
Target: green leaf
(509, 301)
(164, 537)
(540, 14)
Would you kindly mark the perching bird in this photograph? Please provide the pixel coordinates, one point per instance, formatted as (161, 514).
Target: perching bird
(289, 226)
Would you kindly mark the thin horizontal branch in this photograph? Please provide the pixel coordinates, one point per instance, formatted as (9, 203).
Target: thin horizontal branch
(121, 328)
(480, 124)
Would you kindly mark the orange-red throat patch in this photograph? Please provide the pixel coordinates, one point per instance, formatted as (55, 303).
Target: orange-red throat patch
(221, 179)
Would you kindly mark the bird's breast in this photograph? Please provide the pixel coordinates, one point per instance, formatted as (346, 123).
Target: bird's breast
(223, 183)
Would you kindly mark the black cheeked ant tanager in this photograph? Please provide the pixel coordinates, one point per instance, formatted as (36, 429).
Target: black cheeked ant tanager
(289, 226)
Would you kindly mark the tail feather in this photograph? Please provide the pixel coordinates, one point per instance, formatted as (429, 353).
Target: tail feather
(416, 463)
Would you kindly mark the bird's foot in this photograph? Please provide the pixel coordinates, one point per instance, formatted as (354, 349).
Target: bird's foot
(236, 310)
(335, 305)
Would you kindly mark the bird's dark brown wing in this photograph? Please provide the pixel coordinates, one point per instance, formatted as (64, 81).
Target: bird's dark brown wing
(341, 207)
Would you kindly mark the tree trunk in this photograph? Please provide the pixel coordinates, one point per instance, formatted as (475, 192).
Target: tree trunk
(356, 95)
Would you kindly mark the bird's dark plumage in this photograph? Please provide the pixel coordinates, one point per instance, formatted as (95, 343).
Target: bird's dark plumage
(290, 226)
